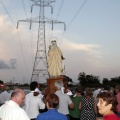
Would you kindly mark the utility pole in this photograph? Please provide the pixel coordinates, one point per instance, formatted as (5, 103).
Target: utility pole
(40, 67)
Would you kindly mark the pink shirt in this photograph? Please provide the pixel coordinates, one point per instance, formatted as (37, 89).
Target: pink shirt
(118, 100)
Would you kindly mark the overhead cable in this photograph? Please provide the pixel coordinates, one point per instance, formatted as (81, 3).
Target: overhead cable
(50, 32)
(22, 53)
(31, 32)
(83, 4)
(17, 33)
(60, 8)
(7, 13)
(24, 8)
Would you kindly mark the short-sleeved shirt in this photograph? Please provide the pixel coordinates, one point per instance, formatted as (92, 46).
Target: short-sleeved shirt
(64, 102)
(33, 104)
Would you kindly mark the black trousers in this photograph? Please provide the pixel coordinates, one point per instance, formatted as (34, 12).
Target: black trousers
(68, 117)
(72, 118)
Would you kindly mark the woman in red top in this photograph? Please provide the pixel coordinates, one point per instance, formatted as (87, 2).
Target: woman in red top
(107, 106)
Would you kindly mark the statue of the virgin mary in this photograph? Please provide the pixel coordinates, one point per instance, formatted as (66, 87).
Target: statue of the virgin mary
(55, 58)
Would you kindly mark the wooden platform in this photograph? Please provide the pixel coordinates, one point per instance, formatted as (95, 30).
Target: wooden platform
(50, 83)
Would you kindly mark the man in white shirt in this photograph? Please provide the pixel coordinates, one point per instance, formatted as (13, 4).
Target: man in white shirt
(4, 96)
(64, 100)
(11, 110)
(33, 102)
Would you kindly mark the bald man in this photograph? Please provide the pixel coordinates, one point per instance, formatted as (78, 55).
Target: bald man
(11, 110)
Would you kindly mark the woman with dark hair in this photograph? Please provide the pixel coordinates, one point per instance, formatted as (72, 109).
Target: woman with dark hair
(75, 112)
(52, 102)
(88, 106)
(107, 106)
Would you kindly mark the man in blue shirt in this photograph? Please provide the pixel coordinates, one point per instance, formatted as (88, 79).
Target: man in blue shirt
(52, 101)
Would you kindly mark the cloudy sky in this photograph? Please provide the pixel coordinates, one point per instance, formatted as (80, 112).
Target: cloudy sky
(90, 44)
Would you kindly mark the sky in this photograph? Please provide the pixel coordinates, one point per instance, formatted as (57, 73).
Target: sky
(90, 43)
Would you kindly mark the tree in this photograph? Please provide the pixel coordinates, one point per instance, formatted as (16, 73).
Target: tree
(105, 81)
(1, 82)
(88, 80)
(114, 81)
(82, 78)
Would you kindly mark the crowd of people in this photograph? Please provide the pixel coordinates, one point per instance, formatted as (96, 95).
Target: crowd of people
(100, 104)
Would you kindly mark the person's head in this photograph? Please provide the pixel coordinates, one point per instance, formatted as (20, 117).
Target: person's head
(18, 96)
(58, 84)
(38, 86)
(65, 82)
(15, 87)
(88, 92)
(107, 102)
(117, 89)
(52, 101)
(107, 88)
(112, 90)
(78, 90)
(6, 88)
(33, 85)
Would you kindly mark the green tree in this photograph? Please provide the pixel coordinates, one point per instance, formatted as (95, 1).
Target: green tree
(105, 81)
(114, 81)
(88, 80)
(1, 82)
(82, 78)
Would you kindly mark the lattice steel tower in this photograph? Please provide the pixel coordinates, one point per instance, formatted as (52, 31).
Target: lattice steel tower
(40, 63)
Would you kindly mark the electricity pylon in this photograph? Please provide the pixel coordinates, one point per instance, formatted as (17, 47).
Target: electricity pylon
(40, 63)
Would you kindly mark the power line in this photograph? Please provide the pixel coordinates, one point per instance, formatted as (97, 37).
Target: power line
(31, 39)
(17, 33)
(31, 32)
(83, 4)
(60, 8)
(8, 16)
(24, 8)
(50, 32)
(23, 3)
(22, 53)
(7, 13)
